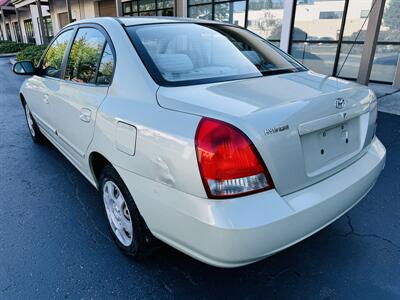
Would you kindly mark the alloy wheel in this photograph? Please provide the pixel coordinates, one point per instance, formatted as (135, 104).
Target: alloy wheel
(118, 213)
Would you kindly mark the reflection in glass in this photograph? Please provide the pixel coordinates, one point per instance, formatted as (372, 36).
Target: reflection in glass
(167, 12)
(85, 55)
(354, 32)
(24, 67)
(200, 12)
(54, 55)
(385, 62)
(356, 21)
(148, 8)
(126, 8)
(386, 54)
(316, 32)
(193, 2)
(183, 52)
(349, 60)
(104, 75)
(390, 27)
(319, 57)
(319, 20)
(265, 18)
(147, 5)
(231, 12)
(165, 4)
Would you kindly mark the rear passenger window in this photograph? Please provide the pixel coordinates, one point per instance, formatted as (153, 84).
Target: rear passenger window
(85, 55)
(106, 67)
(52, 61)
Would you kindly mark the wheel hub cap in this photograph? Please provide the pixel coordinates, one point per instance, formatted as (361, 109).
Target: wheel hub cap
(117, 213)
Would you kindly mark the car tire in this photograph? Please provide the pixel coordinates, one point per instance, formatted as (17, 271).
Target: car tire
(138, 242)
(36, 135)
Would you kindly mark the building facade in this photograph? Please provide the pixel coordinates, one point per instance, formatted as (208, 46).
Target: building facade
(20, 22)
(352, 39)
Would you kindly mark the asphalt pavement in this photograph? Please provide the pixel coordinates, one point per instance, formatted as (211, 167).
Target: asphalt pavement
(54, 242)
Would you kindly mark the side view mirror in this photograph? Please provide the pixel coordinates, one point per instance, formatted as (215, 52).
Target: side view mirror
(24, 67)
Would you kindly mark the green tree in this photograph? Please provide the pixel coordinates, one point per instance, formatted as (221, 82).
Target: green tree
(82, 61)
(391, 17)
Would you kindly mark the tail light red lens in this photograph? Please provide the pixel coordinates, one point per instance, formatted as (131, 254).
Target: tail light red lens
(229, 163)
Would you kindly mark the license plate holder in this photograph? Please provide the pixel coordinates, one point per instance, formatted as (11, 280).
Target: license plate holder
(326, 148)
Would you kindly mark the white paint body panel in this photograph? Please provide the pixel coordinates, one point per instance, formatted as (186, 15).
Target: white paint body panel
(125, 140)
(147, 133)
(72, 103)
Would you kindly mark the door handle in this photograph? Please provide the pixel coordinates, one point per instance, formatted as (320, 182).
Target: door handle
(86, 115)
(46, 98)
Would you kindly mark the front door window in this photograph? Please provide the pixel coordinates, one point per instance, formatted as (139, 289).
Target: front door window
(52, 61)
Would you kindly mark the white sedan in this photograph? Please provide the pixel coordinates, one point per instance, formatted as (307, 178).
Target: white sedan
(202, 135)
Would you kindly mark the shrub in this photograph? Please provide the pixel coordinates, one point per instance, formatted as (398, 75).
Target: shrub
(11, 47)
(32, 53)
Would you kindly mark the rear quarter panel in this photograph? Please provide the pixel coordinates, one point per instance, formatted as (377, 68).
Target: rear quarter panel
(164, 150)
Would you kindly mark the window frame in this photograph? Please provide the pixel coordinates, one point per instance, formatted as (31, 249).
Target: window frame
(64, 62)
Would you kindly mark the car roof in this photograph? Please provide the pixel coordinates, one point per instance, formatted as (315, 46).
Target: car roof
(131, 21)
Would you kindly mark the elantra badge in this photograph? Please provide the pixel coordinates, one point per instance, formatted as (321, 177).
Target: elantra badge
(276, 129)
(340, 103)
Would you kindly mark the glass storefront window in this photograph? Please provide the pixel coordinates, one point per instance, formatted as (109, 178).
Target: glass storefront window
(148, 8)
(127, 8)
(388, 48)
(319, 57)
(318, 20)
(231, 12)
(315, 35)
(353, 38)
(316, 31)
(165, 4)
(147, 5)
(385, 62)
(349, 60)
(168, 12)
(194, 2)
(201, 12)
(265, 18)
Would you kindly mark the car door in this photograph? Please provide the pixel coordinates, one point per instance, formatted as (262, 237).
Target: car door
(88, 73)
(43, 86)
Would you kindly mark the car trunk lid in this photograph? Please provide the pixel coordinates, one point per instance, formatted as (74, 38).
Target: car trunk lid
(305, 126)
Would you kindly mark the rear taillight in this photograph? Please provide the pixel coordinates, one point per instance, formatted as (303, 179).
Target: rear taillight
(229, 164)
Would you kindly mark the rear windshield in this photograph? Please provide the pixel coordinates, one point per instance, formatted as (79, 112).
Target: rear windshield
(188, 53)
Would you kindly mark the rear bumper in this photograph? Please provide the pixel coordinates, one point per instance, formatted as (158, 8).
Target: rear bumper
(235, 232)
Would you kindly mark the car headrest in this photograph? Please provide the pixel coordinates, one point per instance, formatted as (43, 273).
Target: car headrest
(173, 63)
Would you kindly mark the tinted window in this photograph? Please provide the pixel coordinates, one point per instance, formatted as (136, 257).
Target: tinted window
(187, 52)
(104, 75)
(85, 55)
(54, 55)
